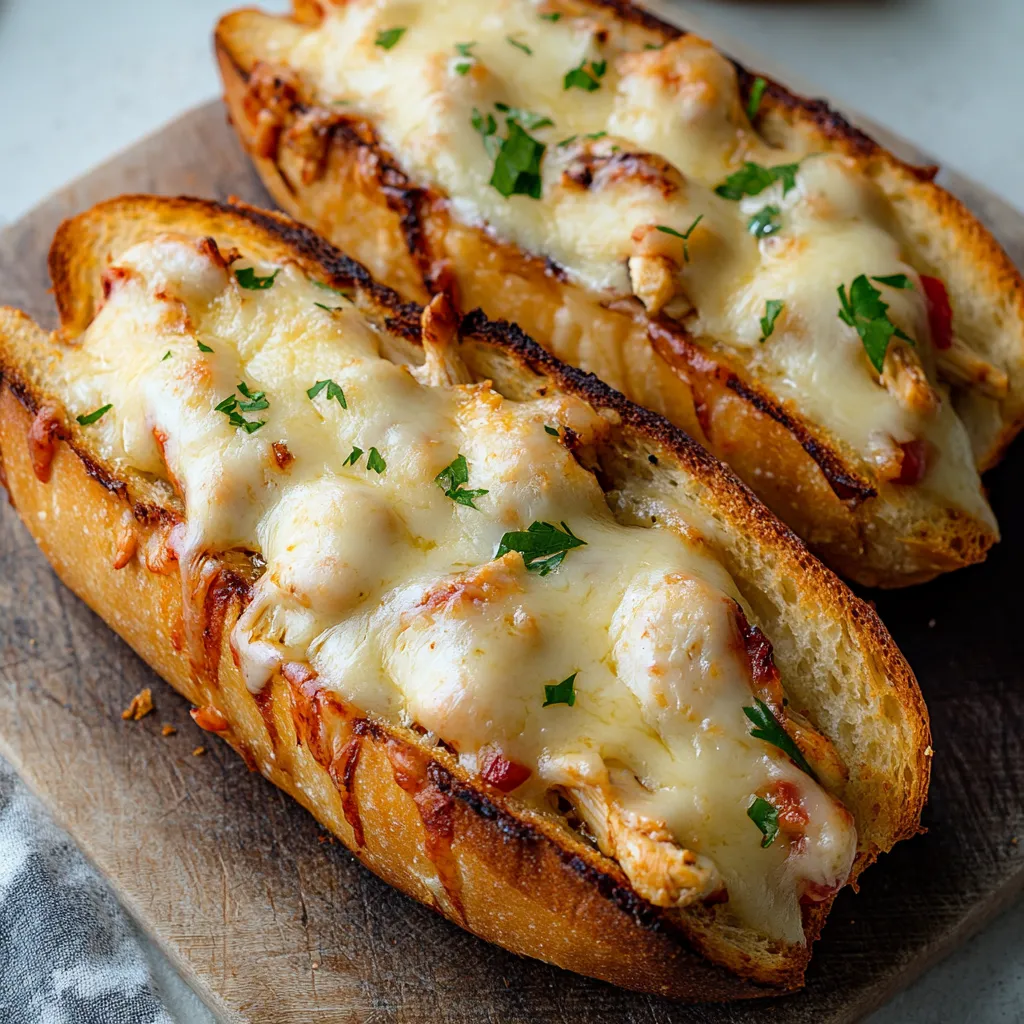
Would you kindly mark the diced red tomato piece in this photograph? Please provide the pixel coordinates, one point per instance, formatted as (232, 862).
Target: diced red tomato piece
(940, 313)
(500, 772)
(915, 462)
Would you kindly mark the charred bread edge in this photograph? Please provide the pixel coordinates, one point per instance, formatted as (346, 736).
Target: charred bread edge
(661, 941)
(954, 538)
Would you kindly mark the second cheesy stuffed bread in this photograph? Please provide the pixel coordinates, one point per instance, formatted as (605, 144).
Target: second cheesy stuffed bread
(528, 650)
(823, 317)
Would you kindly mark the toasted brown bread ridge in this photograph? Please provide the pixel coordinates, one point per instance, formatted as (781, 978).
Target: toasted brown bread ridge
(872, 530)
(407, 809)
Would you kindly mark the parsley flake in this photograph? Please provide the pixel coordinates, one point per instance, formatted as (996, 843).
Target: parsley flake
(353, 456)
(765, 222)
(684, 235)
(895, 281)
(249, 279)
(342, 293)
(543, 546)
(388, 37)
(451, 480)
(553, 431)
(526, 118)
(772, 309)
(765, 816)
(252, 401)
(752, 179)
(167, 355)
(769, 729)
(553, 16)
(202, 347)
(864, 311)
(561, 693)
(375, 461)
(519, 46)
(91, 417)
(756, 94)
(333, 391)
(586, 76)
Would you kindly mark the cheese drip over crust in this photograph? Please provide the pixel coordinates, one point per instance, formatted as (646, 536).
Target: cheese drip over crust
(642, 149)
(395, 594)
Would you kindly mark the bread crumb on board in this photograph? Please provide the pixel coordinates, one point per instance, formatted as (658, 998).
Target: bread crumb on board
(168, 730)
(141, 705)
(199, 751)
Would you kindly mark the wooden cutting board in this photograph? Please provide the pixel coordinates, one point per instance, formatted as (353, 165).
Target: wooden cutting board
(272, 923)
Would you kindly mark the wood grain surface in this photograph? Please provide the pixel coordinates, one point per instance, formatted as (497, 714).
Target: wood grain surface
(272, 923)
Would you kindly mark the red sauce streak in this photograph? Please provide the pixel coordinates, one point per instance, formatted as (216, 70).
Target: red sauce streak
(764, 674)
(914, 464)
(940, 313)
(343, 772)
(436, 812)
(322, 724)
(793, 816)
(210, 719)
(265, 702)
(42, 441)
(500, 772)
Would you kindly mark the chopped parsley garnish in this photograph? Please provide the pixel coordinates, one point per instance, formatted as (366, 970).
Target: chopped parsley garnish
(353, 456)
(754, 100)
(516, 157)
(864, 311)
(91, 417)
(772, 309)
(543, 546)
(895, 281)
(202, 347)
(233, 407)
(333, 391)
(375, 461)
(327, 309)
(587, 76)
(388, 37)
(167, 355)
(553, 16)
(769, 729)
(519, 46)
(561, 693)
(766, 817)
(452, 479)
(684, 235)
(248, 278)
(572, 138)
(765, 222)
(527, 118)
(464, 50)
(553, 431)
(752, 179)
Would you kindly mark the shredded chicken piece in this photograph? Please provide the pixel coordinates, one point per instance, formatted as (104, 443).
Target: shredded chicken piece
(905, 377)
(654, 281)
(660, 870)
(961, 365)
(443, 365)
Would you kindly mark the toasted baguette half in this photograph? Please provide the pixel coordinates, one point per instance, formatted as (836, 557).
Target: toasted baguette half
(403, 803)
(868, 515)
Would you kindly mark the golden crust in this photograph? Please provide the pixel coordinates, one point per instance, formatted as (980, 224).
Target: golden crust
(409, 811)
(874, 531)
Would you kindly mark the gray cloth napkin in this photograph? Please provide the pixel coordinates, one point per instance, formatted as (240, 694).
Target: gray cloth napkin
(68, 952)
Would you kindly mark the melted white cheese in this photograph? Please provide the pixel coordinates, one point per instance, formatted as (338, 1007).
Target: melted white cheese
(391, 590)
(680, 104)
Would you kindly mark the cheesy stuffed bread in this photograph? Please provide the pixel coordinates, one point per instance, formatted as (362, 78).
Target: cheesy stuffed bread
(527, 649)
(824, 318)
